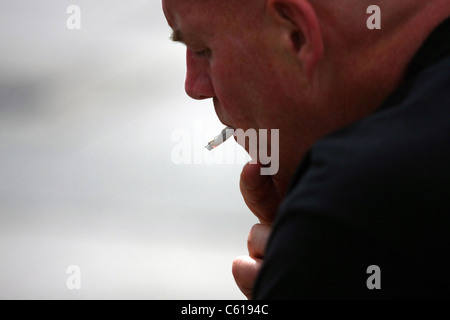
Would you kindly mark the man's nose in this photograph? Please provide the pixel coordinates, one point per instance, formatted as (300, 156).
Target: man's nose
(198, 83)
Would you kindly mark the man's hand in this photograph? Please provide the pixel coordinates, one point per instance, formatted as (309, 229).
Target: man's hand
(262, 197)
(246, 268)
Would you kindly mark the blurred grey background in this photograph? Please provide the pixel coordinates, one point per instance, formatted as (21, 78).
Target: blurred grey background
(89, 120)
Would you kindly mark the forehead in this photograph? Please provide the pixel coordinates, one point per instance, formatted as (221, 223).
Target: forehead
(185, 13)
(212, 16)
(214, 22)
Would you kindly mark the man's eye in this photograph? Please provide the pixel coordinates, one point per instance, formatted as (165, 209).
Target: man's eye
(203, 53)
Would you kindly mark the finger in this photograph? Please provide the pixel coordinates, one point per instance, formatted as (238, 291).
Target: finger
(259, 193)
(257, 240)
(245, 271)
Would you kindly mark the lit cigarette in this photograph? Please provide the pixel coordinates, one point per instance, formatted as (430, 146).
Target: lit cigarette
(226, 134)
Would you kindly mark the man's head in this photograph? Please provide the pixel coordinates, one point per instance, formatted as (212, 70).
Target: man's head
(305, 67)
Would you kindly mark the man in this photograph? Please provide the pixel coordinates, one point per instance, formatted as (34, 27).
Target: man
(360, 206)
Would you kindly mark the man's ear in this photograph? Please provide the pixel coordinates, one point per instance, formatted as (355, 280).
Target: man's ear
(299, 20)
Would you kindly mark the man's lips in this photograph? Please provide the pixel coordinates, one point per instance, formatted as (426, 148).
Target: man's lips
(218, 109)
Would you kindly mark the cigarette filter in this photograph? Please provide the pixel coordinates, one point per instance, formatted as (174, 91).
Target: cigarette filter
(226, 134)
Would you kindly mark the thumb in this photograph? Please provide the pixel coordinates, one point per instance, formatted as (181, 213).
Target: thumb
(259, 192)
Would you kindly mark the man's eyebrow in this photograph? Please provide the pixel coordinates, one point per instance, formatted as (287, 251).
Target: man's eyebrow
(177, 36)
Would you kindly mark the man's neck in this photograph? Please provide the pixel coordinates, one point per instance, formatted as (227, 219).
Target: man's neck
(371, 73)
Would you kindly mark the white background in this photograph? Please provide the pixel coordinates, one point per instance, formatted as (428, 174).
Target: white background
(86, 171)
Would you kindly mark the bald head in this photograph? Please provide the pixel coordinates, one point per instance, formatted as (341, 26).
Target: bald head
(305, 67)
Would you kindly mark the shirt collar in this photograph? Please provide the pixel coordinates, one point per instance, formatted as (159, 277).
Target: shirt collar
(434, 49)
